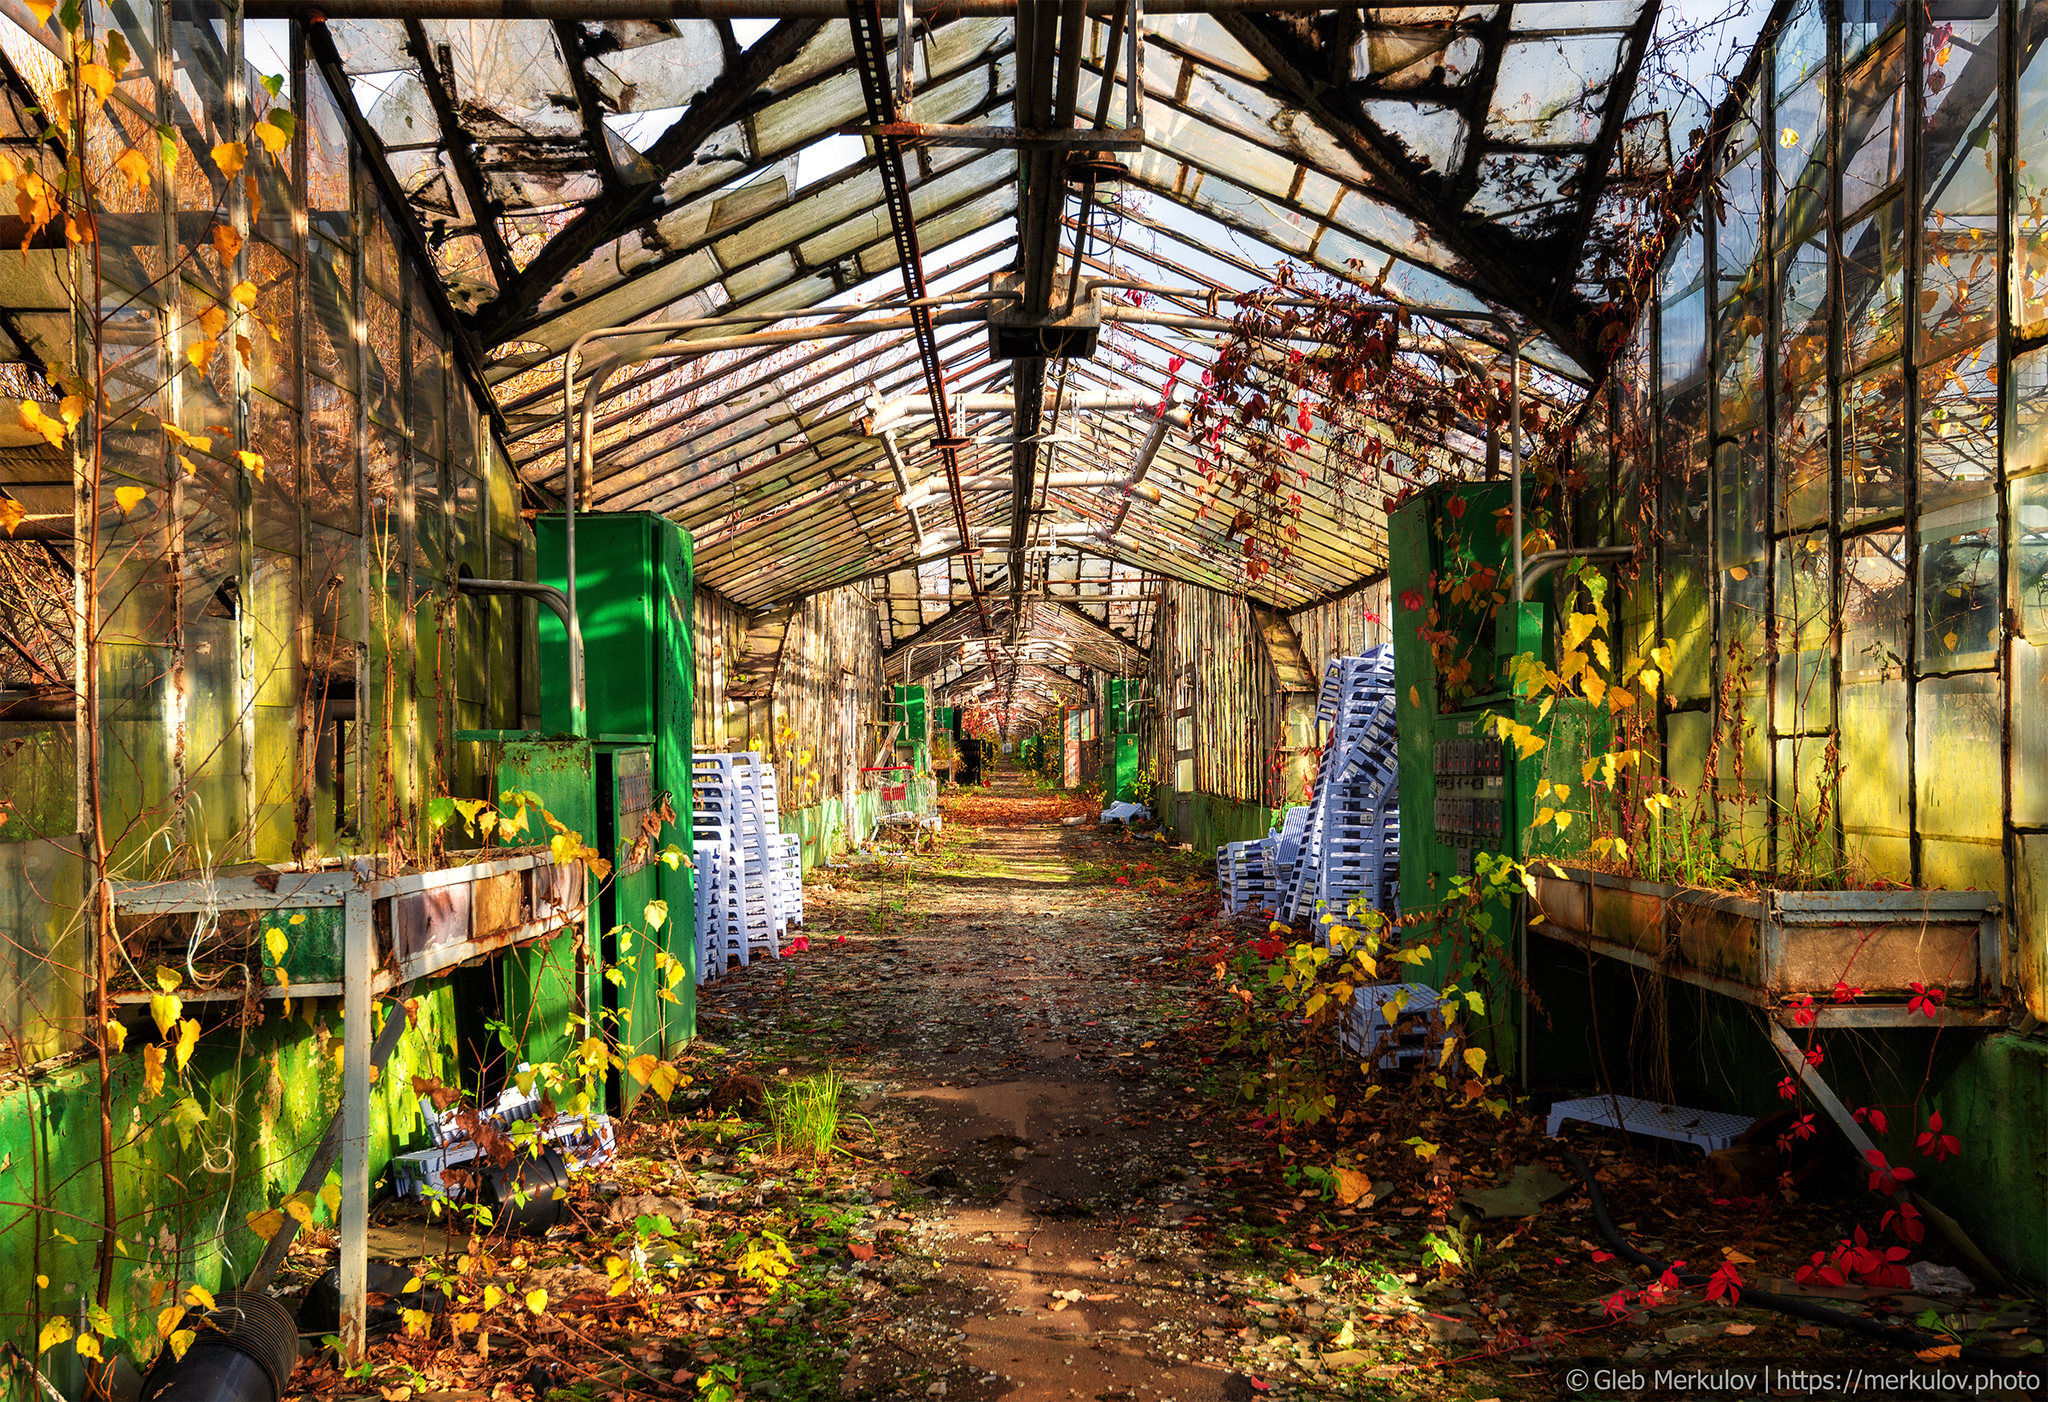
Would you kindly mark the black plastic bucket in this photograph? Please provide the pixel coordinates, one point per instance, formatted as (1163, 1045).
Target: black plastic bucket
(320, 1315)
(246, 1349)
(543, 1181)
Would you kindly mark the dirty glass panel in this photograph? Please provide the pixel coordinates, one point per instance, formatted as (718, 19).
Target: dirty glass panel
(1805, 632)
(1958, 425)
(2030, 729)
(428, 405)
(1745, 596)
(273, 362)
(1682, 341)
(2026, 439)
(1742, 781)
(330, 207)
(1808, 797)
(1740, 488)
(1875, 815)
(330, 489)
(1957, 780)
(1804, 465)
(2030, 189)
(1959, 163)
(1864, 23)
(1800, 159)
(2027, 508)
(1740, 360)
(274, 485)
(1802, 45)
(1960, 586)
(382, 326)
(1874, 444)
(1740, 212)
(1685, 574)
(1876, 606)
(1803, 313)
(1873, 128)
(330, 325)
(1874, 284)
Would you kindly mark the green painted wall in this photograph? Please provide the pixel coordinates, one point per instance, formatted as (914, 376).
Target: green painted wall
(1213, 821)
(829, 825)
(261, 1098)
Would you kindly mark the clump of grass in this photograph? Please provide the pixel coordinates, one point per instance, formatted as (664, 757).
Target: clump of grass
(805, 1114)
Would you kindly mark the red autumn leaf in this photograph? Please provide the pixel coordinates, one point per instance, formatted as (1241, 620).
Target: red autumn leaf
(1725, 1283)
(1936, 1145)
(1843, 992)
(1788, 1088)
(1411, 600)
(860, 1251)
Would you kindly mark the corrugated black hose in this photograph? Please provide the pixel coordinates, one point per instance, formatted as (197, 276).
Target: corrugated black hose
(1784, 1304)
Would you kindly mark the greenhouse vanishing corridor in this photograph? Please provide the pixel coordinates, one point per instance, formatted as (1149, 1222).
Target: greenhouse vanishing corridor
(1146, 700)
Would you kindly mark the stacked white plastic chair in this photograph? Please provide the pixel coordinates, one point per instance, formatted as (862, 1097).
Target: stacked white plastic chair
(789, 873)
(736, 822)
(1351, 838)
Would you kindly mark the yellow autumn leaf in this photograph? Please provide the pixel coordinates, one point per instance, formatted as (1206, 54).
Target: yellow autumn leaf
(42, 10)
(1596, 690)
(200, 353)
(273, 138)
(276, 943)
(493, 1297)
(253, 462)
(135, 166)
(169, 980)
(32, 418)
(300, 1208)
(130, 497)
(226, 243)
(331, 1195)
(641, 1068)
(199, 1297)
(188, 1038)
(190, 440)
(117, 1035)
(1475, 1057)
(1738, 572)
(537, 1300)
(265, 1224)
(181, 1341)
(230, 156)
(166, 1009)
(153, 1067)
(298, 918)
(212, 322)
(98, 78)
(88, 1346)
(12, 514)
(1948, 640)
(244, 293)
(169, 1318)
(55, 1332)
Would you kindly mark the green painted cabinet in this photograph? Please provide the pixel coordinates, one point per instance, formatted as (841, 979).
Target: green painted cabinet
(633, 598)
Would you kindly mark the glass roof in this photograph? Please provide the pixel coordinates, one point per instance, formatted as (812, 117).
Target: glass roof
(1480, 164)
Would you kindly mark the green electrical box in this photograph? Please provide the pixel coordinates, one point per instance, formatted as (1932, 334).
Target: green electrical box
(546, 988)
(634, 602)
(909, 704)
(1120, 754)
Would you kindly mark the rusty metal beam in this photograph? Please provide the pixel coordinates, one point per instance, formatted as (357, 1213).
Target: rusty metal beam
(871, 58)
(439, 82)
(995, 138)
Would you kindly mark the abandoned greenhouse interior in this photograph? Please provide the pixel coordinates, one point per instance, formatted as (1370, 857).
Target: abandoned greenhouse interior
(1124, 699)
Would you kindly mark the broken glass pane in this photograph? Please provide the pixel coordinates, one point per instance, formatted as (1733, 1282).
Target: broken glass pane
(1876, 604)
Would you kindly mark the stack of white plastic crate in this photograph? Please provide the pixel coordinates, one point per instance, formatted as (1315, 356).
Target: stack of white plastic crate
(1255, 875)
(1351, 839)
(741, 855)
(1247, 875)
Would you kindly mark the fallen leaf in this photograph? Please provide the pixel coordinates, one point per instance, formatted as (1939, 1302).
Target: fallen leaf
(1741, 1331)
(1808, 1331)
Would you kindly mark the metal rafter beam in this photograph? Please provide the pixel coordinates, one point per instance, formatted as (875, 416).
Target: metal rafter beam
(589, 103)
(1507, 281)
(871, 58)
(610, 217)
(439, 80)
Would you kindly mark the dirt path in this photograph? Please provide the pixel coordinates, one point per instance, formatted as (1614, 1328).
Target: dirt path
(1003, 1017)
